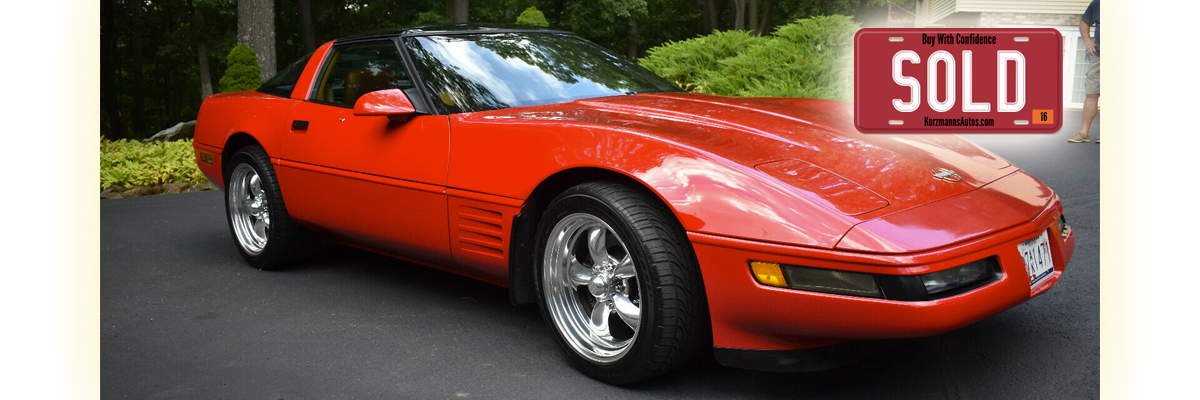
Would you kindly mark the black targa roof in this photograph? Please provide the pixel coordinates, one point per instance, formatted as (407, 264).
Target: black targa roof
(451, 29)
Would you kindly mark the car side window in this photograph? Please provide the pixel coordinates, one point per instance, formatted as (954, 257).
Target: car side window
(282, 83)
(360, 68)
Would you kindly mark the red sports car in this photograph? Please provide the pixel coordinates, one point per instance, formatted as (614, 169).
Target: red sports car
(649, 225)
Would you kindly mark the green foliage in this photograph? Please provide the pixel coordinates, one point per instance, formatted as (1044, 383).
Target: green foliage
(431, 18)
(691, 63)
(169, 33)
(609, 23)
(621, 8)
(133, 163)
(793, 10)
(810, 57)
(531, 16)
(242, 70)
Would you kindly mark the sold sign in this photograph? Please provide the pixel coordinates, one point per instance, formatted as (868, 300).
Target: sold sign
(958, 80)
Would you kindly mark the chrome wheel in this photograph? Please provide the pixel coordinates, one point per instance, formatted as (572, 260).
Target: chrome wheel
(618, 282)
(250, 213)
(591, 288)
(265, 234)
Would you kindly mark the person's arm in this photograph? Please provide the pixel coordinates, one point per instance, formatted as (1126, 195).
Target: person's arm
(1084, 31)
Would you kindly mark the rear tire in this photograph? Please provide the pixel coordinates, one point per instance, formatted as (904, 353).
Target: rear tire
(618, 281)
(258, 220)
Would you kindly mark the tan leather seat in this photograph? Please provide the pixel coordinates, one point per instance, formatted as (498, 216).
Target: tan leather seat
(365, 81)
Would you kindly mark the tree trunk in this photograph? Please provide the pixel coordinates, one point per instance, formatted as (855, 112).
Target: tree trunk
(306, 26)
(739, 14)
(167, 90)
(764, 24)
(458, 11)
(108, 70)
(753, 16)
(135, 47)
(558, 9)
(632, 38)
(206, 86)
(256, 28)
(709, 15)
(206, 83)
(173, 109)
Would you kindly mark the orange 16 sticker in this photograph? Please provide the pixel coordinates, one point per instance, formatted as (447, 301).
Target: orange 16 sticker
(1043, 116)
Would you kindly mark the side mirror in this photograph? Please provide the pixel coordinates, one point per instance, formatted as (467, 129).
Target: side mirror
(392, 103)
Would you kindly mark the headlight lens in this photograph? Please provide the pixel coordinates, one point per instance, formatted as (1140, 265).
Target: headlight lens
(815, 279)
(925, 287)
(956, 277)
(830, 281)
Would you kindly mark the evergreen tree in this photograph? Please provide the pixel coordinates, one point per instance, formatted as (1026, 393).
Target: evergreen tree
(531, 16)
(242, 71)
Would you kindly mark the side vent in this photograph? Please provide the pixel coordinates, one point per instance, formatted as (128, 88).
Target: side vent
(480, 226)
(480, 231)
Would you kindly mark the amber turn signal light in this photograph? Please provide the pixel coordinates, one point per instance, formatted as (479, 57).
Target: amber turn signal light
(768, 273)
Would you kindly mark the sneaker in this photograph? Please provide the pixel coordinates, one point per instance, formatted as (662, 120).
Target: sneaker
(1080, 137)
(1097, 140)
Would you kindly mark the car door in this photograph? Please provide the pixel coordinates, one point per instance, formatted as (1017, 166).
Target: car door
(370, 180)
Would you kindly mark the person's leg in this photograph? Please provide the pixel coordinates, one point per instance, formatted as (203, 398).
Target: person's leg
(1091, 85)
(1089, 111)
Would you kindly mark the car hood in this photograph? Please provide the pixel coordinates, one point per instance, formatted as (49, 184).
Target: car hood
(807, 144)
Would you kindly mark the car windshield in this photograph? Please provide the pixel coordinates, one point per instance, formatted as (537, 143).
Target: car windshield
(467, 73)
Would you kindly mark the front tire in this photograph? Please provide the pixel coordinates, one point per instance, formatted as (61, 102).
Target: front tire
(619, 283)
(258, 220)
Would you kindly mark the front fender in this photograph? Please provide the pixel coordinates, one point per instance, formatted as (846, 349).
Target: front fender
(708, 194)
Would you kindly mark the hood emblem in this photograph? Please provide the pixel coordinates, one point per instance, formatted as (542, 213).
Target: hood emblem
(946, 175)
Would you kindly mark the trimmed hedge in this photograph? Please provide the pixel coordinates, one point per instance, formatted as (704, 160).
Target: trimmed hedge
(811, 57)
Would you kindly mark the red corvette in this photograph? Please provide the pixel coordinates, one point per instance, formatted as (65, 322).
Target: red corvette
(649, 225)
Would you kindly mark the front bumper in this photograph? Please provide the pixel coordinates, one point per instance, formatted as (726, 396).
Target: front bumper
(802, 360)
(750, 316)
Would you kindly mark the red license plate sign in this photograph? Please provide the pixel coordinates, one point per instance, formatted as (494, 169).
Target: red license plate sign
(958, 80)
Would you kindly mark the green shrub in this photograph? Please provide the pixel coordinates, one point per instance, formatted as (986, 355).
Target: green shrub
(810, 57)
(242, 71)
(691, 63)
(531, 16)
(133, 163)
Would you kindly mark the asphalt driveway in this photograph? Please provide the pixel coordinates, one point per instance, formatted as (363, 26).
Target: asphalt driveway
(182, 316)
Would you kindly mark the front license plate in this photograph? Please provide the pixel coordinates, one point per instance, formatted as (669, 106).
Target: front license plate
(958, 80)
(1038, 261)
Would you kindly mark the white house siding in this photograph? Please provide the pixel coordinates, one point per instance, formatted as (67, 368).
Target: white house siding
(993, 20)
(934, 10)
(1059, 14)
(1023, 6)
(993, 12)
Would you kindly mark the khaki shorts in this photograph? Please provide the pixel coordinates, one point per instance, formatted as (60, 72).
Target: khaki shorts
(1091, 84)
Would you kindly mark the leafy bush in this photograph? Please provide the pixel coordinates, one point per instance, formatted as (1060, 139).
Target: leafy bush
(242, 71)
(692, 63)
(811, 57)
(133, 163)
(531, 16)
